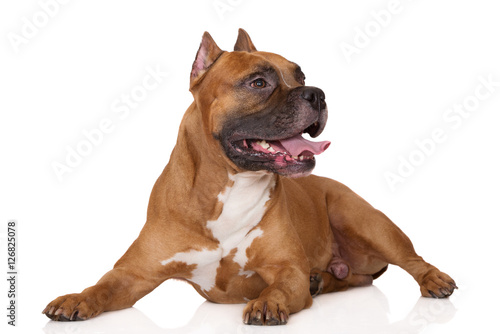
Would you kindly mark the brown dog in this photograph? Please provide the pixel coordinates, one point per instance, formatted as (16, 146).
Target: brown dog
(230, 215)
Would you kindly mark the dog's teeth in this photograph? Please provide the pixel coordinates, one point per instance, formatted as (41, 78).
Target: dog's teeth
(264, 144)
(301, 158)
(295, 157)
(271, 149)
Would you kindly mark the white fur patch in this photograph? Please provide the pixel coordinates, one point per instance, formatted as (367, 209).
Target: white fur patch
(244, 205)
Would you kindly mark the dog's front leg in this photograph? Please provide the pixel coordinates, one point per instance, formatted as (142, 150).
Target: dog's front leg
(289, 293)
(279, 258)
(118, 289)
(136, 274)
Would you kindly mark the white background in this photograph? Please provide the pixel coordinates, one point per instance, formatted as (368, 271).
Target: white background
(66, 78)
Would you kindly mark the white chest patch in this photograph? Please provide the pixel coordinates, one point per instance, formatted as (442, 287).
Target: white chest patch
(244, 205)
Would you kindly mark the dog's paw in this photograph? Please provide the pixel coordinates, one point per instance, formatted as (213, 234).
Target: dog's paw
(437, 284)
(316, 282)
(72, 307)
(261, 312)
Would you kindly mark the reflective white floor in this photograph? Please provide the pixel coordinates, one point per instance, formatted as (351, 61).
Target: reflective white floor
(360, 310)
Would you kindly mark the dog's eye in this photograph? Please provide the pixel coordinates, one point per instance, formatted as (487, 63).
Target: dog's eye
(258, 83)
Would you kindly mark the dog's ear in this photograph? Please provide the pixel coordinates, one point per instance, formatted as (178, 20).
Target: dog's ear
(244, 43)
(207, 54)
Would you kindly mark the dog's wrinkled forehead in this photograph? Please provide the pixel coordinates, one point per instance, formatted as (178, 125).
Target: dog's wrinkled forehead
(240, 66)
(289, 73)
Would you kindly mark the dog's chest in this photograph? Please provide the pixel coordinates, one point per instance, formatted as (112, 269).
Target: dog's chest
(244, 205)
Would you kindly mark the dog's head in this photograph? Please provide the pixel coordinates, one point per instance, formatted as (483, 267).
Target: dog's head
(256, 106)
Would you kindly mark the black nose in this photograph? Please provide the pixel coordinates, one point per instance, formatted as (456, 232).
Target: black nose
(315, 96)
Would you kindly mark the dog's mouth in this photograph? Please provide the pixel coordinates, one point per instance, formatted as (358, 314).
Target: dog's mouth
(290, 156)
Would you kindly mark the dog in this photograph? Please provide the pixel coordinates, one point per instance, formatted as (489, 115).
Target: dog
(236, 211)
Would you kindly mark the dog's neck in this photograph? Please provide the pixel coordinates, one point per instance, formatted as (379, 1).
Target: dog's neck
(194, 156)
(192, 163)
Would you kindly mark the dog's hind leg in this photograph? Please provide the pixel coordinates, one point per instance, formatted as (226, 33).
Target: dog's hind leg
(338, 277)
(371, 240)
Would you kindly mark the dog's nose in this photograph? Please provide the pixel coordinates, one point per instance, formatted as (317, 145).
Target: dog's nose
(315, 96)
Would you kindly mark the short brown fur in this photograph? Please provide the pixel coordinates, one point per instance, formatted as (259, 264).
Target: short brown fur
(310, 223)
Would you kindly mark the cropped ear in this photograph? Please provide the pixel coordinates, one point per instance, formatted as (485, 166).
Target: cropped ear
(244, 43)
(207, 54)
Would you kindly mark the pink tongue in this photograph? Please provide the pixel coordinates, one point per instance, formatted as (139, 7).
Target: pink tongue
(297, 145)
